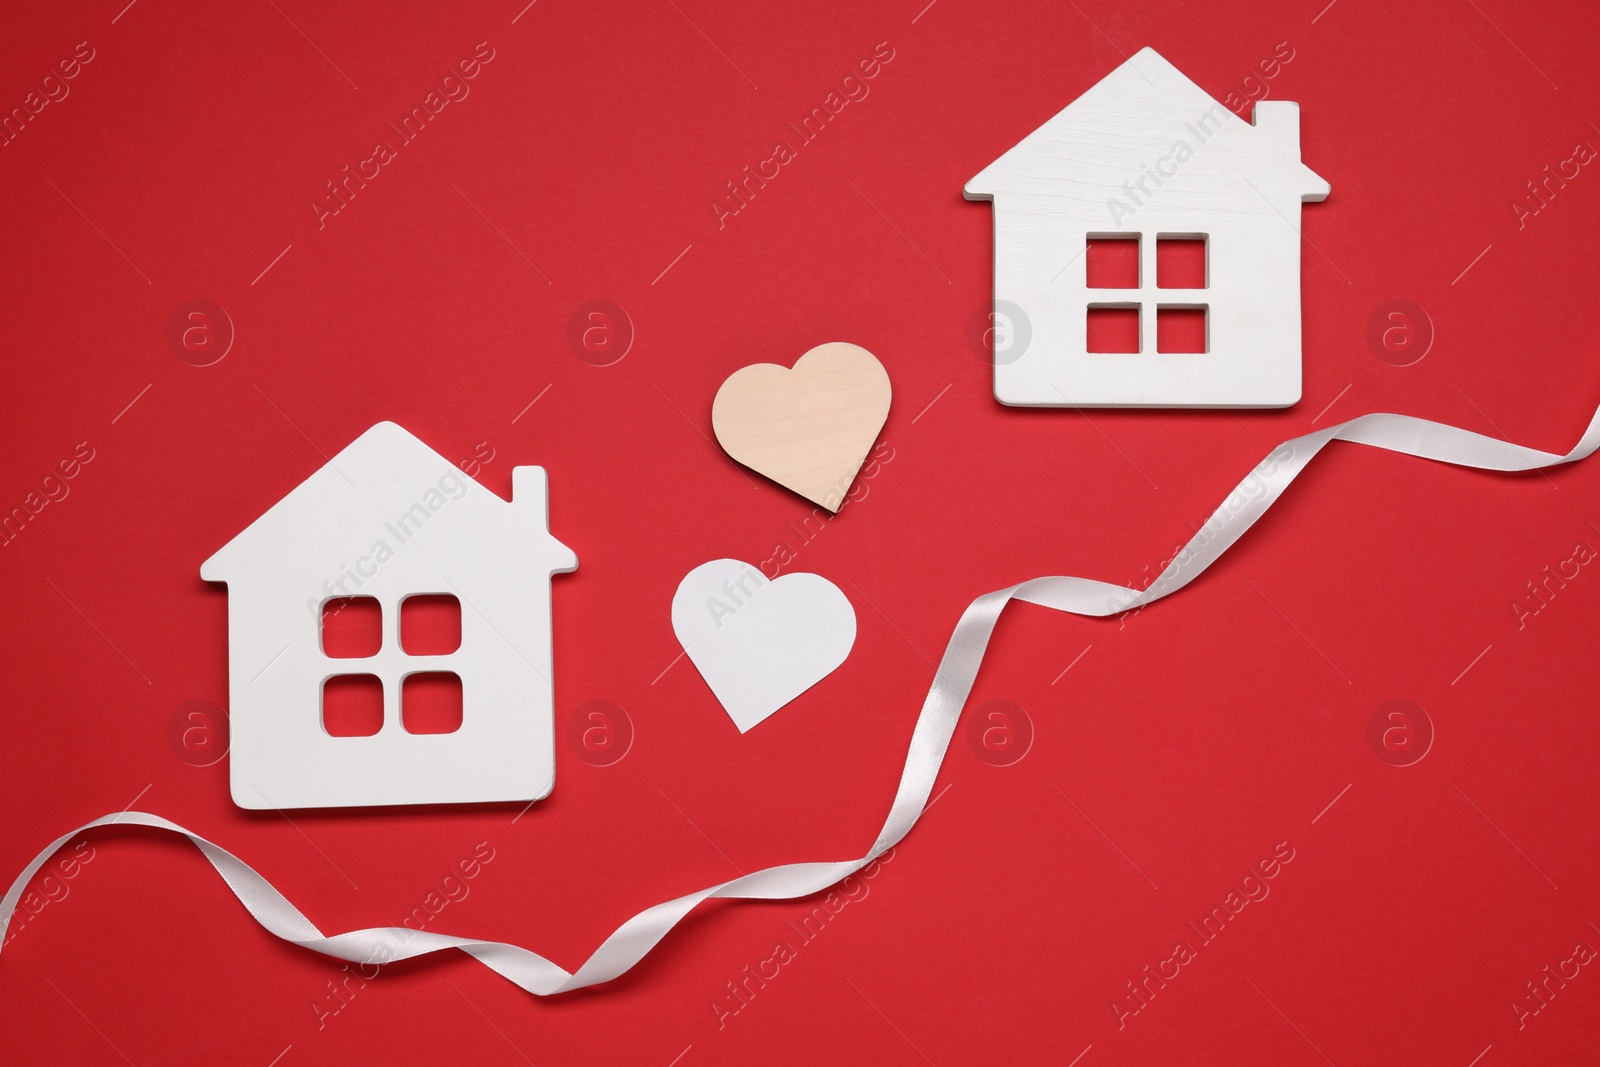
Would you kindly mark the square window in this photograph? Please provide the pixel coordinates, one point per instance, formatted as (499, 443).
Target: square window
(430, 703)
(1181, 329)
(1181, 262)
(1113, 328)
(430, 624)
(352, 627)
(352, 705)
(1111, 261)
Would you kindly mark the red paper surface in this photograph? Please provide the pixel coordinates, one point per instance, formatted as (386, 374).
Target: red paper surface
(1184, 746)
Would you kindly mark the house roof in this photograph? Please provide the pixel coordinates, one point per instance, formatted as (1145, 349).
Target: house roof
(379, 474)
(1135, 114)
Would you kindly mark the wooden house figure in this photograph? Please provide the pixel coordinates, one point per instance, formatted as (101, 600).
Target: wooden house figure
(383, 527)
(1088, 207)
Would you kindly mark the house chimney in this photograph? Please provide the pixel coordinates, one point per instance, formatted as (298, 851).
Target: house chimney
(530, 498)
(530, 488)
(1279, 122)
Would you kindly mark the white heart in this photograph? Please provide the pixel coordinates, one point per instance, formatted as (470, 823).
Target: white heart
(760, 643)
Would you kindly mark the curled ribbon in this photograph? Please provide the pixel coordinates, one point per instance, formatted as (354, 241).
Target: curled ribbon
(936, 723)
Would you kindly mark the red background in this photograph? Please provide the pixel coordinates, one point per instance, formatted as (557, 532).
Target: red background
(1194, 736)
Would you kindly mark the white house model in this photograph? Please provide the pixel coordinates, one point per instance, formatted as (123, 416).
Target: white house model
(386, 520)
(1144, 158)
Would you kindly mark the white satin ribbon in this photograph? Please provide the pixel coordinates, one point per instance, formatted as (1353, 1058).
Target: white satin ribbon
(952, 683)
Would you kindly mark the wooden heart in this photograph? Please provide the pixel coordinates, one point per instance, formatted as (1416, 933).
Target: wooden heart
(809, 427)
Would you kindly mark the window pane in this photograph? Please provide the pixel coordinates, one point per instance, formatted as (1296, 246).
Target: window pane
(1181, 329)
(352, 705)
(430, 703)
(1181, 262)
(430, 624)
(1112, 262)
(1113, 329)
(352, 627)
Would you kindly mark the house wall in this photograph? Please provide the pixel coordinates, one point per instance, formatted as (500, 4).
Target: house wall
(1253, 299)
(282, 757)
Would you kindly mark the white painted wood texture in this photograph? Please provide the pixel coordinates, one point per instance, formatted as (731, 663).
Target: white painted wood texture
(388, 517)
(1148, 152)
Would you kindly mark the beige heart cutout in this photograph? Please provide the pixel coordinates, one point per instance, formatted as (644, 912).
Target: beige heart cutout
(809, 427)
